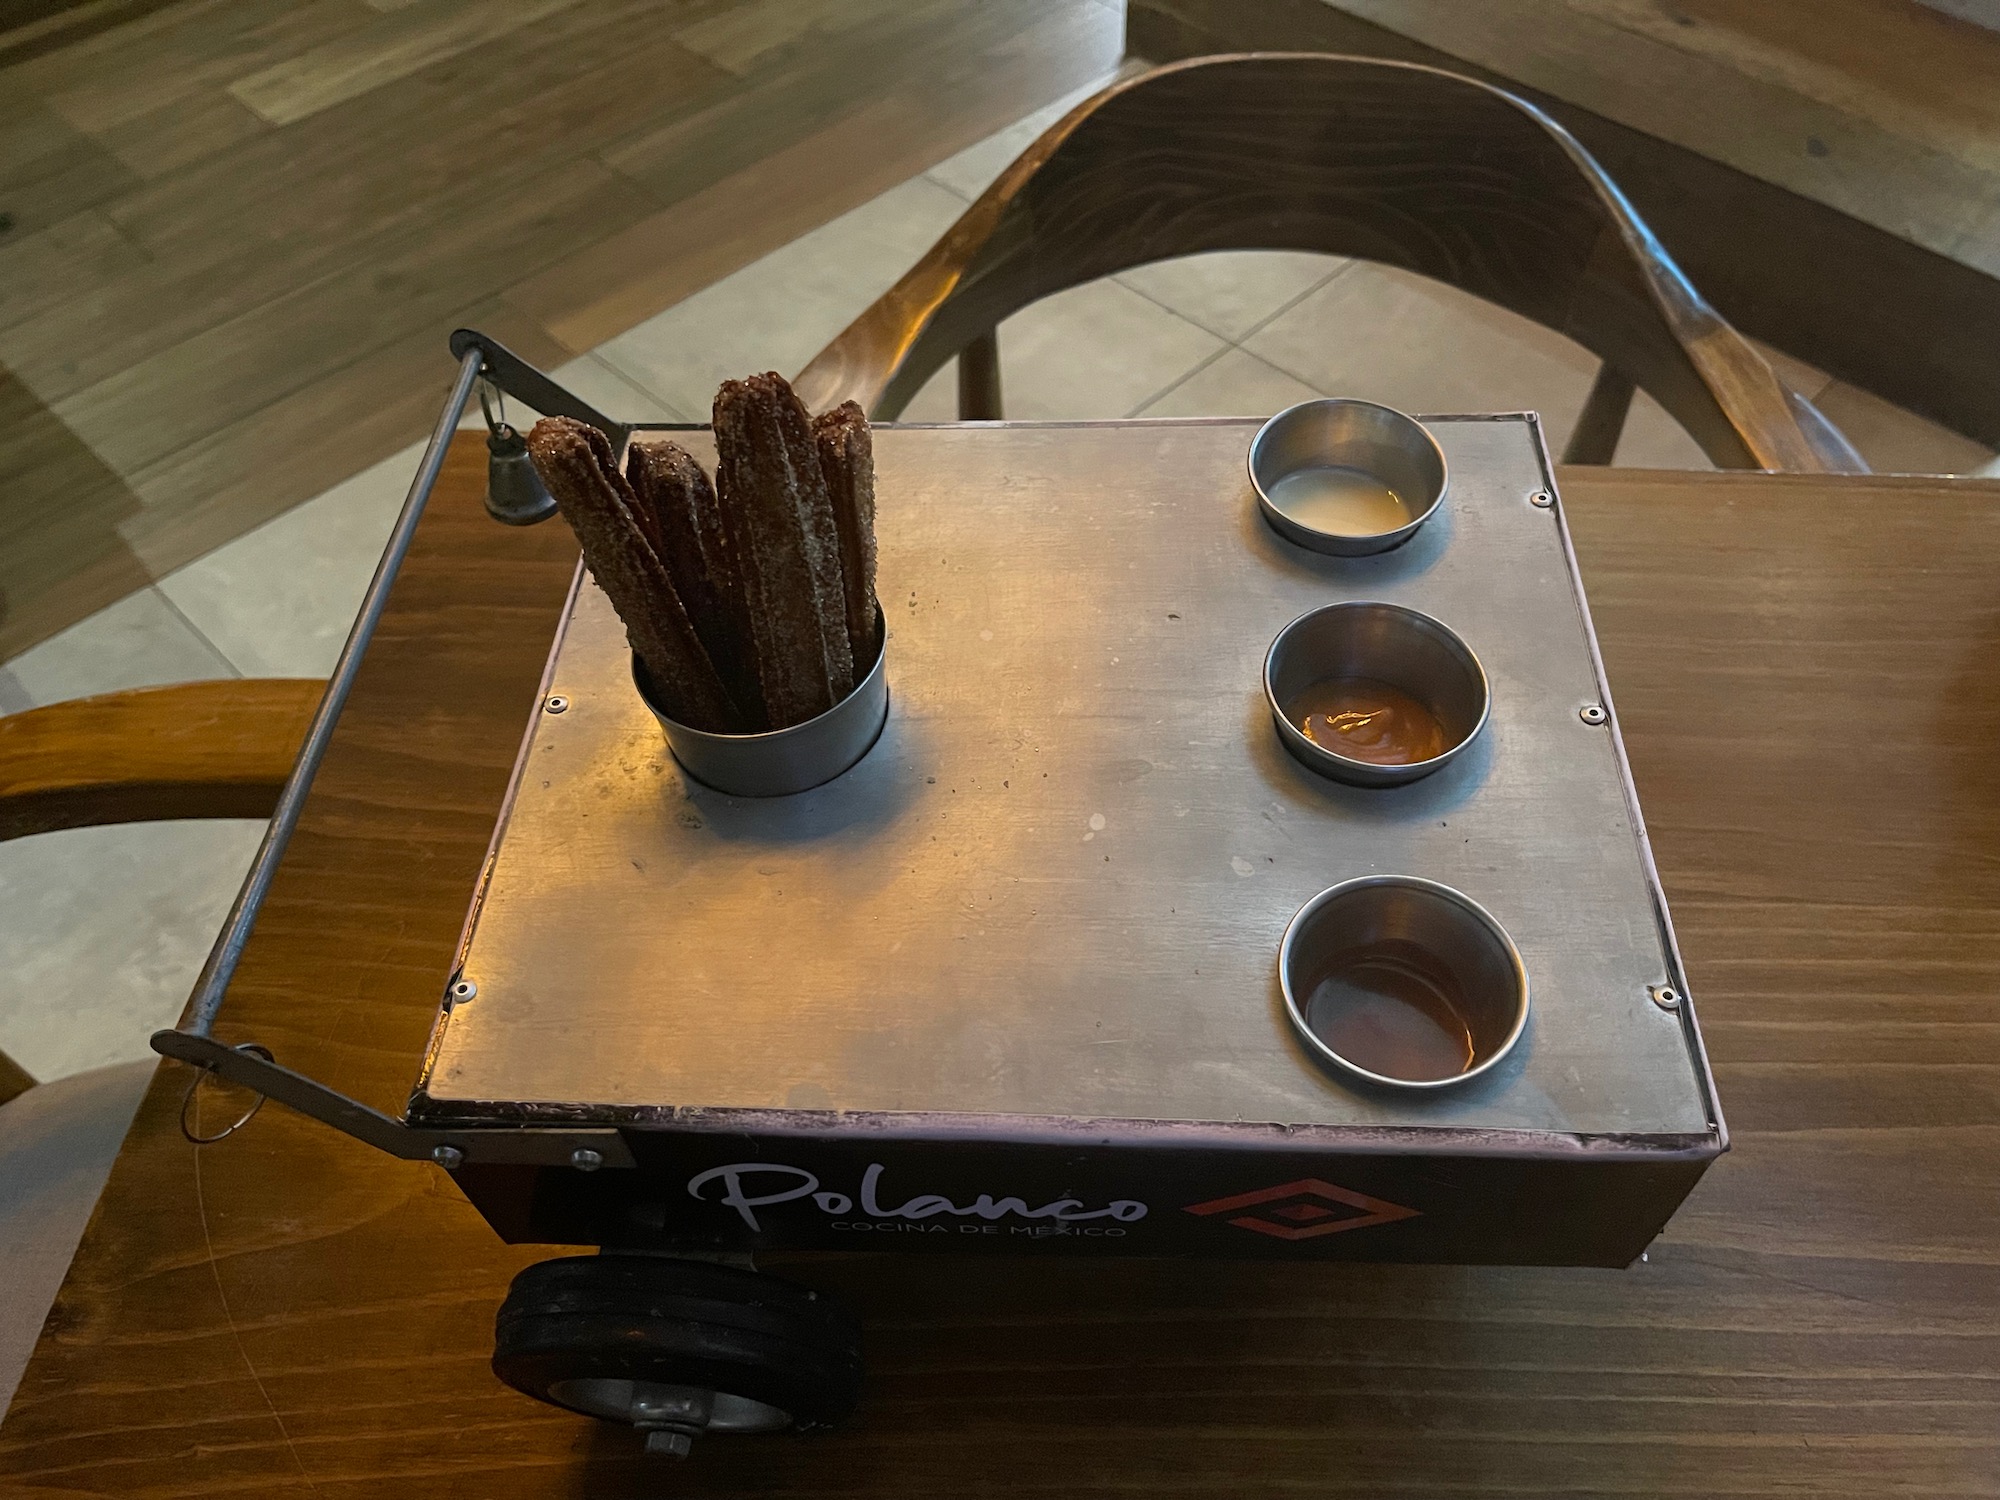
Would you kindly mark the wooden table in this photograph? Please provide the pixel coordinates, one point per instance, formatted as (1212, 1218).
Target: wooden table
(1805, 669)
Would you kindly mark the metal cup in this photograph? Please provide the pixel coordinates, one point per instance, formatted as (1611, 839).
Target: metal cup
(1389, 643)
(779, 762)
(1403, 982)
(1377, 442)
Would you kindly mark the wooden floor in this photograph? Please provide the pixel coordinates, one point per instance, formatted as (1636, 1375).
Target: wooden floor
(238, 231)
(1884, 109)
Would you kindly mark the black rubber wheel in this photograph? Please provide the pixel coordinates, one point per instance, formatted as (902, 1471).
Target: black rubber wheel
(588, 1332)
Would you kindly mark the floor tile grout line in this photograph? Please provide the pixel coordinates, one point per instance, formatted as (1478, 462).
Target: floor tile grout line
(201, 635)
(1310, 291)
(1181, 318)
(1139, 291)
(14, 695)
(1285, 307)
(1180, 380)
(1237, 343)
(1347, 264)
(626, 379)
(1219, 354)
(958, 193)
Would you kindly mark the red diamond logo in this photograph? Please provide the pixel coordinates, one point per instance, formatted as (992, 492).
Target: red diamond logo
(1296, 1201)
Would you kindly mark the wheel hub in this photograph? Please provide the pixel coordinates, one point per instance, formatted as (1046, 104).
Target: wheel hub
(671, 1416)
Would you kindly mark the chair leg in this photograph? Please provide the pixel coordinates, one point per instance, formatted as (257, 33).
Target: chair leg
(979, 379)
(1595, 440)
(15, 1080)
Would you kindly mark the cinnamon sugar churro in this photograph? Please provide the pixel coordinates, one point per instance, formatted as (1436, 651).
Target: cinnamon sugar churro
(574, 460)
(670, 483)
(781, 532)
(847, 460)
(751, 601)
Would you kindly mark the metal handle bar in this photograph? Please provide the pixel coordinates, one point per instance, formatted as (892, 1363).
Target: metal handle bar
(193, 1040)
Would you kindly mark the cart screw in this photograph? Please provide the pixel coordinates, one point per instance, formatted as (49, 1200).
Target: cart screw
(1592, 713)
(586, 1160)
(1542, 499)
(1666, 997)
(556, 704)
(465, 989)
(448, 1157)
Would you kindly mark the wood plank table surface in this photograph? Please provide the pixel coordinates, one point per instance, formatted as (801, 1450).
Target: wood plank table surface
(1805, 671)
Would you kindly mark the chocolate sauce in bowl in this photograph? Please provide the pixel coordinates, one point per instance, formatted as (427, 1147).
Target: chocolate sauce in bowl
(1393, 1011)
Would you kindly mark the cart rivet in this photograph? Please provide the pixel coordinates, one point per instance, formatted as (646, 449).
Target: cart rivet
(465, 989)
(1592, 713)
(1542, 499)
(586, 1160)
(1666, 996)
(448, 1157)
(556, 704)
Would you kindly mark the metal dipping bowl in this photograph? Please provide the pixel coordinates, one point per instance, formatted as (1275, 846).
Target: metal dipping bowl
(1337, 432)
(1389, 643)
(782, 761)
(1402, 934)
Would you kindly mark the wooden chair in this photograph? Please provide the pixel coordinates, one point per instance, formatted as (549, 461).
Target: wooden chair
(195, 750)
(1410, 166)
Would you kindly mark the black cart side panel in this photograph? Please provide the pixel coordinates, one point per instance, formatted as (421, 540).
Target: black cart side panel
(1598, 1204)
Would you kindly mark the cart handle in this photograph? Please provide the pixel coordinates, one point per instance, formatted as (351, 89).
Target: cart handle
(193, 1040)
(521, 380)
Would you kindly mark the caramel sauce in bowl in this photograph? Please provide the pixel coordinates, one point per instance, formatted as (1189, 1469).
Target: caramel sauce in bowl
(1374, 694)
(1402, 982)
(1363, 719)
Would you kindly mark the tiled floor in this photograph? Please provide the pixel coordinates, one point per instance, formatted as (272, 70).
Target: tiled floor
(102, 931)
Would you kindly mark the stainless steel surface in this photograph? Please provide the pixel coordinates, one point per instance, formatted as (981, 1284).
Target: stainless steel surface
(1339, 432)
(1390, 643)
(1057, 886)
(1369, 918)
(782, 762)
(213, 981)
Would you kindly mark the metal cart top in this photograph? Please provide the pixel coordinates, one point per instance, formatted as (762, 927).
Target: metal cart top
(1055, 889)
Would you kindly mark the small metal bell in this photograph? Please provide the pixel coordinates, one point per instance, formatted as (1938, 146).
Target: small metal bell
(515, 493)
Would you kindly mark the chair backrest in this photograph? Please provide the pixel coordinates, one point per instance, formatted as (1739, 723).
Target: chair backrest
(1410, 166)
(220, 749)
